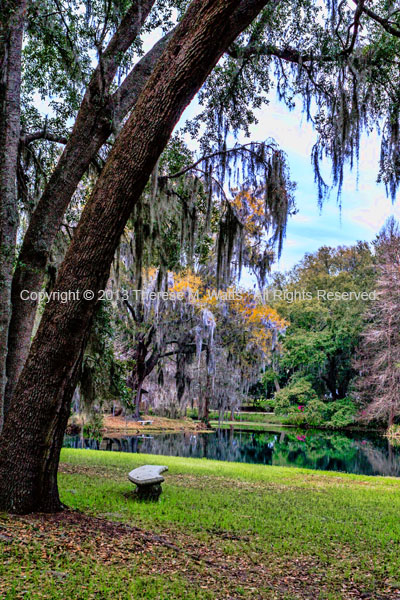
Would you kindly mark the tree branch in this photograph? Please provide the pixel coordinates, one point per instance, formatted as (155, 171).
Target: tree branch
(381, 20)
(120, 42)
(123, 100)
(208, 156)
(43, 134)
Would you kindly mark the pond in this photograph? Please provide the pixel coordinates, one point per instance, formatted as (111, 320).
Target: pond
(364, 454)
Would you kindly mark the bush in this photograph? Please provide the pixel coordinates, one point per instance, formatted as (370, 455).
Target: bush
(298, 401)
(294, 397)
(393, 433)
(341, 418)
(316, 413)
(342, 413)
(269, 405)
(265, 404)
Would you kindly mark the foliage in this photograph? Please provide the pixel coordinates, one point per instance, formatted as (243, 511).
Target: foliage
(94, 428)
(316, 413)
(293, 398)
(346, 83)
(266, 404)
(299, 403)
(324, 330)
(393, 434)
(217, 339)
(343, 413)
(103, 375)
(220, 338)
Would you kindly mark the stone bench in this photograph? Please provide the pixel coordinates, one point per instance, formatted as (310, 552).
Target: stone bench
(148, 480)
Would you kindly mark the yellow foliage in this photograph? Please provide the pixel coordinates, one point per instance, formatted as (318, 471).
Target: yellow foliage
(245, 309)
(251, 211)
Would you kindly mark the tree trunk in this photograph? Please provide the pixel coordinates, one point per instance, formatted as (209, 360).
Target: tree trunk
(137, 400)
(31, 439)
(11, 31)
(205, 417)
(94, 124)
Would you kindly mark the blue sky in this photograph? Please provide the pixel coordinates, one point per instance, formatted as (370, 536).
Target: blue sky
(365, 206)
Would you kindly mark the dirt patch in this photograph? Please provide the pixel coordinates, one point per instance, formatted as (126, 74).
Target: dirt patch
(120, 424)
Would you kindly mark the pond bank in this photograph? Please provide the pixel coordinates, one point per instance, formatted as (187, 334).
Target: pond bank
(117, 426)
(121, 426)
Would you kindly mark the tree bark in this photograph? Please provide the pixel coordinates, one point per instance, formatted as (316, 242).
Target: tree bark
(11, 32)
(32, 435)
(205, 417)
(138, 399)
(94, 124)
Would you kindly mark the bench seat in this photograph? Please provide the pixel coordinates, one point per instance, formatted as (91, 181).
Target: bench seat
(148, 480)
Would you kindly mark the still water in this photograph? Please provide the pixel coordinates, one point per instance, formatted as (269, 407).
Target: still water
(364, 454)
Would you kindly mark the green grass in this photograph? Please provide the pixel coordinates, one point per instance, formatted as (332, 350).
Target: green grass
(254, 421)
(278, 532)
(249, 426)
(250, 417)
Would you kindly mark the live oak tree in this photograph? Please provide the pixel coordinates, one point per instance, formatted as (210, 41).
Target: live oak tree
(352, 78)
(101, 112)
(186, 247)
(46, 386)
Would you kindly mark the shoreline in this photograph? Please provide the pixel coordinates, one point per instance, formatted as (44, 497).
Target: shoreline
(119, 426)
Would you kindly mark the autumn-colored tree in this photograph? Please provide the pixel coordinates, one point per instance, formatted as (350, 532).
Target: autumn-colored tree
(215, 341)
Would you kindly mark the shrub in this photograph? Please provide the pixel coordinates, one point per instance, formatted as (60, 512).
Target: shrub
(316, 413)
(393, 434)
(342, 413)
(265, 404)
(294, 397)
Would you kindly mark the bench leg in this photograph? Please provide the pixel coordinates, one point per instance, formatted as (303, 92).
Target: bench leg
(148, 492)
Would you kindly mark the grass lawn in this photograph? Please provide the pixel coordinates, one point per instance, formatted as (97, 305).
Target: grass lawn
(250, 426)
(220, 530)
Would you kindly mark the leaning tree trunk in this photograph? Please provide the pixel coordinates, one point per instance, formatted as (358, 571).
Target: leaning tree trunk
(99, 113)
(11, 32)
(32, 436)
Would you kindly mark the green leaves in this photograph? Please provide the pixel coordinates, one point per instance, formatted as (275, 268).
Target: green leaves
(323, 333)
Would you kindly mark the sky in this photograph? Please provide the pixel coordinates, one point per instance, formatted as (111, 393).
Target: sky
(364, 204)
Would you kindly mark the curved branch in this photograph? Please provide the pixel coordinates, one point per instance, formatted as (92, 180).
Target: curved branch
(244, 147)
(43, 134)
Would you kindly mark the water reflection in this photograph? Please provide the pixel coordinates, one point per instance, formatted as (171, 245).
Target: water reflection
(330, 451)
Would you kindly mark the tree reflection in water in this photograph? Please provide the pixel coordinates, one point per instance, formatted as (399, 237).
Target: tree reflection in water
(316, 449)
